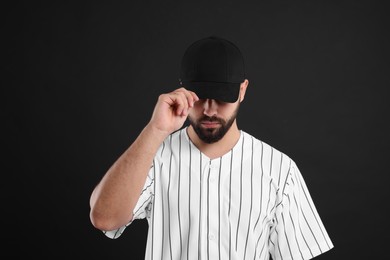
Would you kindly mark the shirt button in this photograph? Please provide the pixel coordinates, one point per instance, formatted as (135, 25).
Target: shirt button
(212, 179)
(211, 237)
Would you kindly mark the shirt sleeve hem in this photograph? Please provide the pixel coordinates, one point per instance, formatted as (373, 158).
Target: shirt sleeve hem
(311, 253)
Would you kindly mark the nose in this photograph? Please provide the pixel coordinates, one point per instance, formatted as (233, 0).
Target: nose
(210, 107)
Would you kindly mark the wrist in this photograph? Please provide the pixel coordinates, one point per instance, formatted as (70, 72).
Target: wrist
(155, 132)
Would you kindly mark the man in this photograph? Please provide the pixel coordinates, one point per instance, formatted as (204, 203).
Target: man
(209, 190)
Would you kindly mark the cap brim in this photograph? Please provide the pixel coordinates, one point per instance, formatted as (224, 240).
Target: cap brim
(222, 91)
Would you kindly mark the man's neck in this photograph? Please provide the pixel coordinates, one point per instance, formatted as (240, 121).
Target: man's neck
(217, 149)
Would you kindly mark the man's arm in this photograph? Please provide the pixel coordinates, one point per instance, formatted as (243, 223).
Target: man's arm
(114, 198)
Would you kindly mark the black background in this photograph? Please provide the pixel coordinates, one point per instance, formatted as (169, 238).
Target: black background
(79, 81)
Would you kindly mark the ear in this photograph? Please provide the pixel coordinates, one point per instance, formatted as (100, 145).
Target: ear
(243, 87)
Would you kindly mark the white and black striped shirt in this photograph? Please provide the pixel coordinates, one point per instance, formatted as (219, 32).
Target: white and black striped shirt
(248, 204)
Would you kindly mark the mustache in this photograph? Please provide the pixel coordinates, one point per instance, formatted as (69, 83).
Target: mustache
(211, 119)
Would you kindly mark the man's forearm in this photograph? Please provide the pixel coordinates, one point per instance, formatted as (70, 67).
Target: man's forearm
(114, 198)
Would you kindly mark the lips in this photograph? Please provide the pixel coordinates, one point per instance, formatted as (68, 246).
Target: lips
(210, 124)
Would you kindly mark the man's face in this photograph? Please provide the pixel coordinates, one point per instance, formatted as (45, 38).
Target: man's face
(211, 119)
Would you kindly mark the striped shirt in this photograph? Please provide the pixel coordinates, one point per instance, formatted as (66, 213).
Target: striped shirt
(251, 203)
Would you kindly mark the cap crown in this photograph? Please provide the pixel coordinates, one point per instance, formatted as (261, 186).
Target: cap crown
(212, 59)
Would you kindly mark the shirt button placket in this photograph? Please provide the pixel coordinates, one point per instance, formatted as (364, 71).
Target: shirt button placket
(203, 218)
(213, 208)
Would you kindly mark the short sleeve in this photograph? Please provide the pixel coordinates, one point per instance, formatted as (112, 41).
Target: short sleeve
(298, 231)
(143, 207)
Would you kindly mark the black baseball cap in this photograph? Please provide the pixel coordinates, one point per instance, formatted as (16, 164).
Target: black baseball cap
(213, 68)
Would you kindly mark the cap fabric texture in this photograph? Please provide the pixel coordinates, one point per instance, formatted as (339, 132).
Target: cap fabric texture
(213, 68)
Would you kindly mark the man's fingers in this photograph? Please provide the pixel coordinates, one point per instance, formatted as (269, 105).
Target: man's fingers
(184, 102)
(180, 103)
(187, 100)
(194, 97)
(181, 100)
(191, 96)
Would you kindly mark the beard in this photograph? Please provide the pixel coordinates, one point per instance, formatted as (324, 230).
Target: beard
(212, 135)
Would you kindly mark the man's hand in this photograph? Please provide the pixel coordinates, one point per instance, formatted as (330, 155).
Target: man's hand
(172, 110)
(113, 200)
